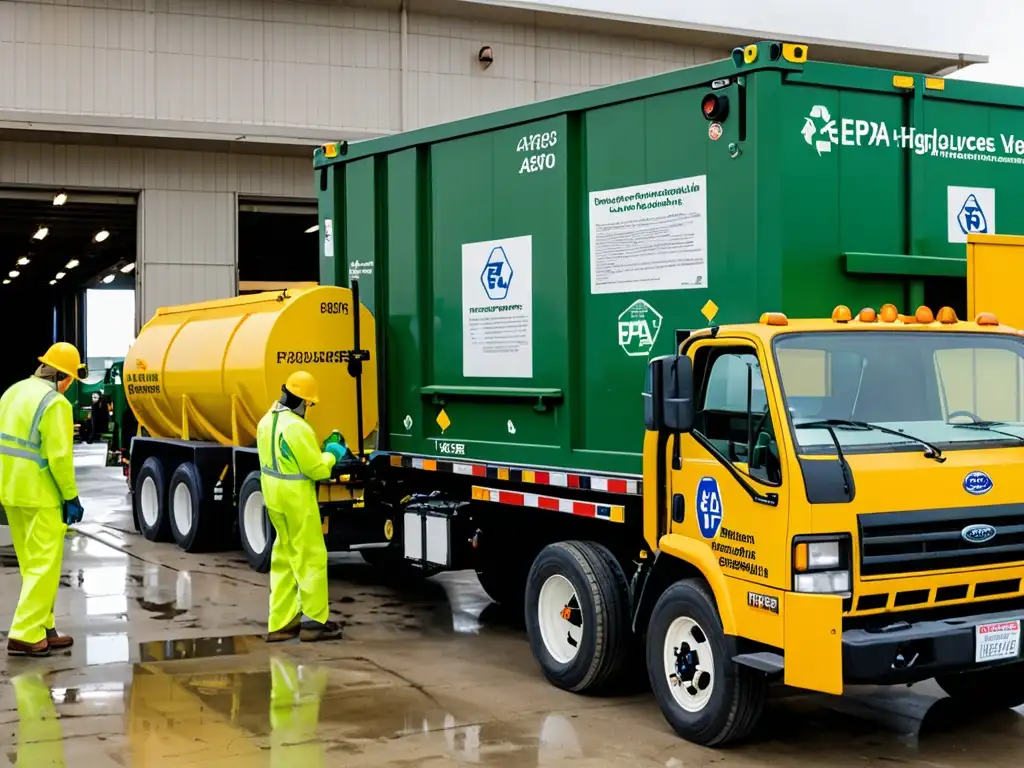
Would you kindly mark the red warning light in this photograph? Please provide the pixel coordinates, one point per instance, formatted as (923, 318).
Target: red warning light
(715, 106)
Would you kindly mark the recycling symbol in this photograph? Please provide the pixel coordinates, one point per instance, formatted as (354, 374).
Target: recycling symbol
(820, 123)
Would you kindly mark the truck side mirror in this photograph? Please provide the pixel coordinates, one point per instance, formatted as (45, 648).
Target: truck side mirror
(668, 394)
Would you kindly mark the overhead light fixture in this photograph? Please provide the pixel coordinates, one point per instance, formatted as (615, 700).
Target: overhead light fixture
(41, 233)
(24, 260)
(60, 198)
(53, 282)
(13, 273)
(100, 236)
(109, 278)
(128, 267)
(6, 281)
(314, 228)
(72, 264)
(60, 275)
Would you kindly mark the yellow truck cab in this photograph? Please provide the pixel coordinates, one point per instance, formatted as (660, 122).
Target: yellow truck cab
(837, 501)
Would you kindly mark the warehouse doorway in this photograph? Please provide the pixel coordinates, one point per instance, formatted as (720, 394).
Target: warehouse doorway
(277, 245)
(54, 245)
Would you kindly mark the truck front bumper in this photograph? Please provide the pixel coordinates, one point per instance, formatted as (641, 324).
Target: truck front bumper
(907, 652)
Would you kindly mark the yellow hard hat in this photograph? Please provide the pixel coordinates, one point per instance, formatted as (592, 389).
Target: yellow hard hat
(64, 357)
(302, 384)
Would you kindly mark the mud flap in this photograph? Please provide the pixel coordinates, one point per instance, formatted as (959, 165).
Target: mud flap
(814, 642)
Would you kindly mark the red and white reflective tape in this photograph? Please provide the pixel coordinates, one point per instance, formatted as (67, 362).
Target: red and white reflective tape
(611, 512)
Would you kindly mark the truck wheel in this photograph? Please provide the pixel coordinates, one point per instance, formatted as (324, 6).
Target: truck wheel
(254, 528)
(986, 689)
(151, 501)
(704, 695)
(194, 524)
(577, 615)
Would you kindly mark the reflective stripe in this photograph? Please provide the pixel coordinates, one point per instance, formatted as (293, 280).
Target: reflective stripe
(278, 475)
(274, 471)
(31, 448)
(18, 453)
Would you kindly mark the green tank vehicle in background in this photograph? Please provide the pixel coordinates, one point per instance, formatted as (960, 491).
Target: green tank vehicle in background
(123, 425)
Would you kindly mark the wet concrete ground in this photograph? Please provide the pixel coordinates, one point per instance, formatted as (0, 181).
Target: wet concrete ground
(168, 669)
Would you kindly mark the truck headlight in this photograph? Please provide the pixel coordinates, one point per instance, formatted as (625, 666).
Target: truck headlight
(822, 564)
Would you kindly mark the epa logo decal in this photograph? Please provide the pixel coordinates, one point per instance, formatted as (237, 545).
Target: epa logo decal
(709, 507)
(497, 275)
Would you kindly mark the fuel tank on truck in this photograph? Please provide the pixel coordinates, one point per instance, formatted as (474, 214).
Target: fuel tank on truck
(210, 371)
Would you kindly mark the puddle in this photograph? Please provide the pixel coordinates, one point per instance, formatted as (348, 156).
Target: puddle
(199, 648)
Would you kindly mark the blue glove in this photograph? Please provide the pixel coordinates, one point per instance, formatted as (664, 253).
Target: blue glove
(337, 450)
(72, 511)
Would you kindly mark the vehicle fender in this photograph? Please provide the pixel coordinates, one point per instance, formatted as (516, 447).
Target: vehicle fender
(681, 557)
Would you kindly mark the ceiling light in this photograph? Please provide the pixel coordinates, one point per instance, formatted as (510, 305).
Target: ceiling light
(109, 278)
(314, 228)
(6, 281)
(72, 264)
(60, 275)
(41, 233)
(128, 267)
(53, 282)
(24, 260)
(13, 273)
(60, 198)
(100, 236)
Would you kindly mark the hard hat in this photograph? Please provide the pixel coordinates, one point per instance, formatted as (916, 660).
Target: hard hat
(302, 384)
(64, 357)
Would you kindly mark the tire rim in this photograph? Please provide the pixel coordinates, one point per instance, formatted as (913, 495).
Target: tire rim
(182, 506)
(689, 664)
(149, 502)
(253, 517)
(560, 618)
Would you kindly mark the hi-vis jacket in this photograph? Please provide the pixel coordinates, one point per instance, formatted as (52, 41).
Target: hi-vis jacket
(37, 433)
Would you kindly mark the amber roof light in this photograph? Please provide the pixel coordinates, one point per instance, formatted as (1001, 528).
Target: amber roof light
(924, 315)
(946, 316)
(867, 315)
(774, 318)
(987, 318)
(841, 314)
(889, 313)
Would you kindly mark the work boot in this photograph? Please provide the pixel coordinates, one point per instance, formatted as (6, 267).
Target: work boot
(314, 631)
(289, 632)
(19, 648)
(58, 641)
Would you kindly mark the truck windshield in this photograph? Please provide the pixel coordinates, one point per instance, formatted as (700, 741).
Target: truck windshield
(954, 390)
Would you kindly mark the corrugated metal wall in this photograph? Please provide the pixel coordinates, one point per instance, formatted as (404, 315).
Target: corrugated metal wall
(188, 203)
(222, 65)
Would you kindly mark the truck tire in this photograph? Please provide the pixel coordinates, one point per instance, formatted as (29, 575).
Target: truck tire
(150, 500)
(194, 522)
(986, 689)
(706, 697)
(577, 615)
(254, 528)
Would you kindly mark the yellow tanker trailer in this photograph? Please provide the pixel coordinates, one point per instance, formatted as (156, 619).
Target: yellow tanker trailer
(199, 378)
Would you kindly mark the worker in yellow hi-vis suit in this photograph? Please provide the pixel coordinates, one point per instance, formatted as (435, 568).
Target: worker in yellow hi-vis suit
(291, 462)
(38, 492)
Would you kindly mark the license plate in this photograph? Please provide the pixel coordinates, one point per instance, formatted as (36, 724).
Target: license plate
(1000, 640)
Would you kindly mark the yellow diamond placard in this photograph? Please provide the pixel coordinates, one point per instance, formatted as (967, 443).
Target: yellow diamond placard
(709, 310)
(443, 421)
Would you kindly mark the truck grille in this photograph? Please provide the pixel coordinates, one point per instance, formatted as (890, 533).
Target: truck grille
(931, 540)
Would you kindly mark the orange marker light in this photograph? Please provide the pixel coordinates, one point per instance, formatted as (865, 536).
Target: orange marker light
(841, 314)
(889, 313)
(946, 316)
(924, 315)
(867, 315)
(800, 558)
(774, 318)
(986, 318)
(908, 319)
